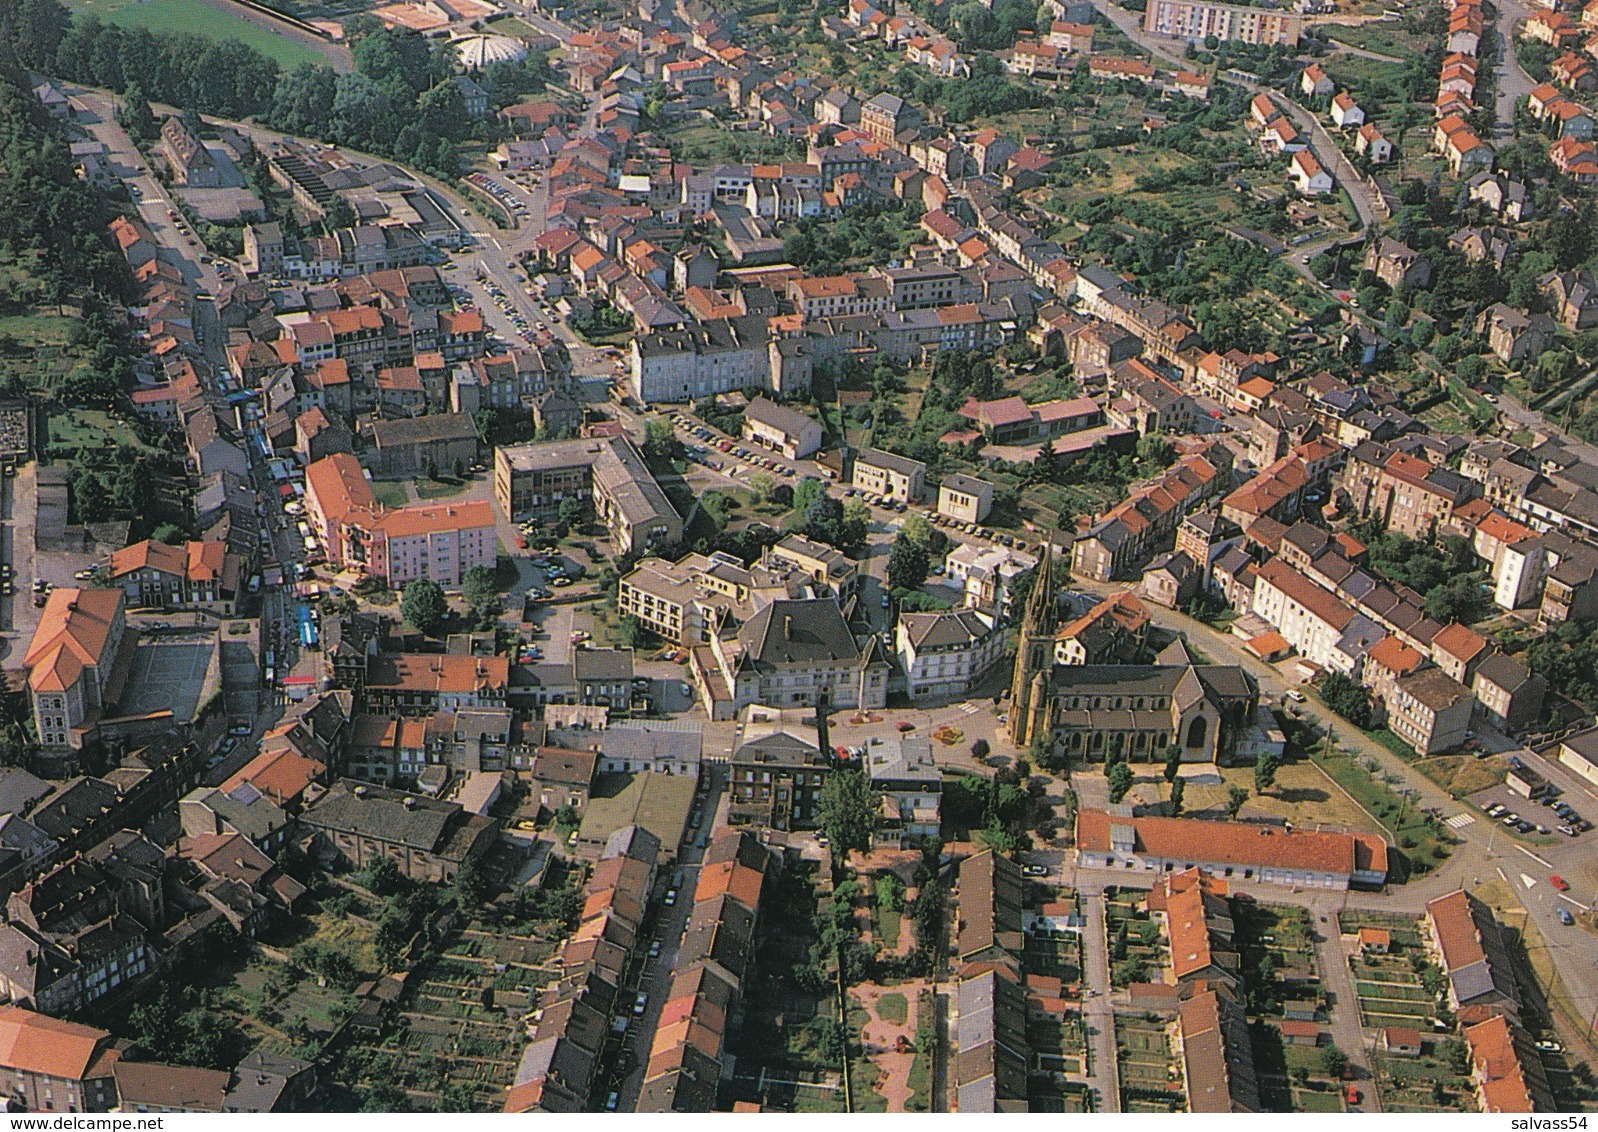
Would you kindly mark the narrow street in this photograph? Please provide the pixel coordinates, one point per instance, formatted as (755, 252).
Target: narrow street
(1513, 83)
(1097, 1016)
(1347, 1033)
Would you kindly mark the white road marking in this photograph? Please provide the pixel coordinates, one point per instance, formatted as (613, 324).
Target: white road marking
(1460, 821)
(1534, 856)
(1577, 903)
(1529, 882)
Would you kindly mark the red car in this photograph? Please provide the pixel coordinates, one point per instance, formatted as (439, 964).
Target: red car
(1560, 883)
(1352, 1095)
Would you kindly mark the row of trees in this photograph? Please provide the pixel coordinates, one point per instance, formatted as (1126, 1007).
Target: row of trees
(401, 101)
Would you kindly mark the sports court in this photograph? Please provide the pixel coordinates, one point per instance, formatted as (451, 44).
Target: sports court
(167, 674)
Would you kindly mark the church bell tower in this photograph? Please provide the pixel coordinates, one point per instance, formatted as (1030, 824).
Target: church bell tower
(1034, 655)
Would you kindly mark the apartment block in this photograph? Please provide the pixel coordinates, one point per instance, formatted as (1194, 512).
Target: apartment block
(1196, 22)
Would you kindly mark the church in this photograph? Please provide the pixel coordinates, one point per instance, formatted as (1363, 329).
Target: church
(1114, 711)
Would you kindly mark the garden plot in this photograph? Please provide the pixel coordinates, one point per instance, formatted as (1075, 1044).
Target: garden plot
(1139, 952)
(1060, 958)
(1059, 1043)
(1400, 988)
(1431, 1082)
(1278, 954)
(1151, 1078)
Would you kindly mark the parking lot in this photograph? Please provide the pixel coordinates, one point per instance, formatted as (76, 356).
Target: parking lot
(1537, 821)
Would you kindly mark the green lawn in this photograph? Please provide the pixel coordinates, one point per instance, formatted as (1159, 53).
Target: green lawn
(390, 493)
(893, 1007)
(440, 489)
(196, 17)
(1308, 1101)
(39, 329)
(90, 429)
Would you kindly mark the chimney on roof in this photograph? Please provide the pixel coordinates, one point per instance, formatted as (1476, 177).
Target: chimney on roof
(787, 628)
(410, 802)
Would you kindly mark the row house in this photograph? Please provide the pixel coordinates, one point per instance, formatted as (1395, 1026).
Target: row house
(1404, 492)
(1125, 536)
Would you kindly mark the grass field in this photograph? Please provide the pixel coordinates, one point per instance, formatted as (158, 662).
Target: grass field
(90, 429)
(1422, 837)
(196, 17)
(390, 493)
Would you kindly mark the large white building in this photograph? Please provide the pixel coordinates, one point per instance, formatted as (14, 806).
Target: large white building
(1311, 619)
(701, 360)
(791, 654)
(781, 429)
(70, 660)
(1115, 839)
(1196, 21)
(437, 541)
(948, 653)
(986, 574)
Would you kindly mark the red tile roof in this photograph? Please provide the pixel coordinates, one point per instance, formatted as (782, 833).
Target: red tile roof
(1230, 843)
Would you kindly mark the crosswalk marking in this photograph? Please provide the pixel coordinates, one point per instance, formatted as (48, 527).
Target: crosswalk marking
(969, 708)
(1460, 821)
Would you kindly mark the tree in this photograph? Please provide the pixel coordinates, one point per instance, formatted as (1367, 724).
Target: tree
(422, 604)
(1265, 772)
(472, 887)
(980, 749)
(907, 565)
(1347, 698)
(481, 597)
(856, 524)
(918, 530)
(1333, 1061)
(847, 811)
(1173, 765)
(133, 114)
(823, 519)
(1120, 780)
(1178, 788)
(660, 439)
(385, 1096)
(1235, 797)
(570, 512)
(1001, 839)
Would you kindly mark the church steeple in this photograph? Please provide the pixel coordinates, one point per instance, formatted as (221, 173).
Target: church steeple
(1042, 607)
(1034, 654)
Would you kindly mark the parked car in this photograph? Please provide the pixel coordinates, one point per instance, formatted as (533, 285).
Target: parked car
(1560, 883)
(1034, 870)
(1564, 917)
